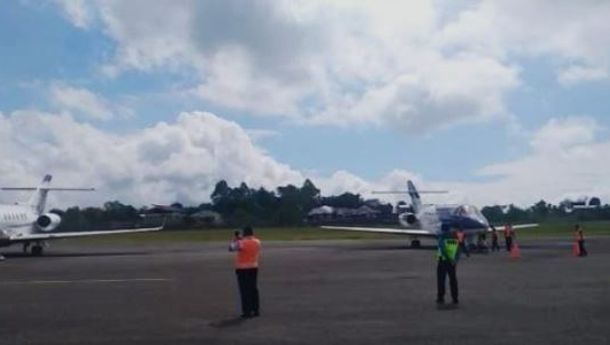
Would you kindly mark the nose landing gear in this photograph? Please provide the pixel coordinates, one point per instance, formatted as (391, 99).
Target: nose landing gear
(415, 244)
(36, 250)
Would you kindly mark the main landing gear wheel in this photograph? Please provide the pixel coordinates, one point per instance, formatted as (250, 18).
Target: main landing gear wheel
(37, 250)
(415, 244)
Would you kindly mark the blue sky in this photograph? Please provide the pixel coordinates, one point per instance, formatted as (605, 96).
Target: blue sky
(440, 98)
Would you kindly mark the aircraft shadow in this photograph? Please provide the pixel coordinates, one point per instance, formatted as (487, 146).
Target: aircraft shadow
(393, 247)
(73, 255)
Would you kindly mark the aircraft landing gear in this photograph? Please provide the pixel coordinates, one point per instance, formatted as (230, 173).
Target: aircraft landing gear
(37, 249)
(26, 247)
(415, 244)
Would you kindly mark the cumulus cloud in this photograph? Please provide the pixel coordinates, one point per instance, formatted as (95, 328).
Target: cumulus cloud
(162, 163)
(565, 133)
(84, 103)
(77, 12)
(578, 74)
(566, 159)
(183, 160)
(324, 63)
(418, 66)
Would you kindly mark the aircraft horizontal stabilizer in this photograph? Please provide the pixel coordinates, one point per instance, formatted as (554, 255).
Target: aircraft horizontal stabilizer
(515, 227)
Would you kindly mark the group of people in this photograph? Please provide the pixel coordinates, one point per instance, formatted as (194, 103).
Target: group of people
(450, 246)
(509, 235)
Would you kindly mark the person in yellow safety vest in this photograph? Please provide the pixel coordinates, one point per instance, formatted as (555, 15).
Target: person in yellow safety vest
(508, 237)
(248, 250)
(447, 251)
(580, 239)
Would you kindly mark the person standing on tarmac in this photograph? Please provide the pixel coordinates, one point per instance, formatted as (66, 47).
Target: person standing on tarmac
(447, 251)
(508, 236)
(248, 250)
(580, 239)
(494, 240)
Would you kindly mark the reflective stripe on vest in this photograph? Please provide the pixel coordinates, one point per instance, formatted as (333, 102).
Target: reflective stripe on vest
(249, 250)
(451, 249)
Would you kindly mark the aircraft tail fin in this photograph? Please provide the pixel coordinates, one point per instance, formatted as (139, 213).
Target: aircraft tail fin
(38, 200)
(414, 195)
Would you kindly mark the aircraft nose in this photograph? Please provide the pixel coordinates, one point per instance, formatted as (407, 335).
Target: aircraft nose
(481, 220)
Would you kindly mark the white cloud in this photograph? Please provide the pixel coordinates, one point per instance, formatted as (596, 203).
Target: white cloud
(579, 74)
(417, 66)
(335, 63)
(77, 12)
(163, 163)
(259, 134)
(183, 160)
(566, 133)
(566, 159)
(85, 103)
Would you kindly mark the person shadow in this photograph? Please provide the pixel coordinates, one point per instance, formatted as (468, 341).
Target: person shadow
(446, 306)
(226, 323)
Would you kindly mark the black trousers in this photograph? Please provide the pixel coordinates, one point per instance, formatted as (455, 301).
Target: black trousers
(248, 290)
(509, 244)
(443, 269)
(581, 248)
(494, 245)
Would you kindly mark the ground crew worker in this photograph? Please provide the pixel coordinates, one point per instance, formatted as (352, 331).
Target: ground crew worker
(580, 239)
(482, 243)
(494, 239)
(461, 240)
(246, 268)
(447, 251)
(508, 237)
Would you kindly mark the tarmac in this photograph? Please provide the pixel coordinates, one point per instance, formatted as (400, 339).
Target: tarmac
(314, 292)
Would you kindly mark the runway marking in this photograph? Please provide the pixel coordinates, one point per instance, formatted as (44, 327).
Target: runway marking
(83, 281)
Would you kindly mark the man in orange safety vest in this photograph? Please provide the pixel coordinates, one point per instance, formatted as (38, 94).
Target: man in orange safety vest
(580, 240)
(248, 250)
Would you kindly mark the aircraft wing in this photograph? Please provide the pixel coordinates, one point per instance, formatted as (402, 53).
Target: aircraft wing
(396, 231)
(525, 226)
(517, 226)
(57, 235)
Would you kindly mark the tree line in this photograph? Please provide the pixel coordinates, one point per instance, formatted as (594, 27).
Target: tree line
(287, 206)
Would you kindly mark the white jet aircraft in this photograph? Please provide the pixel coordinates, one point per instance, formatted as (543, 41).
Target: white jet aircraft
(28, 224)
(426, 220)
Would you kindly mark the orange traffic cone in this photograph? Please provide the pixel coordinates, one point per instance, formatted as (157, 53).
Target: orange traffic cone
(515, 252)
(576, 249)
